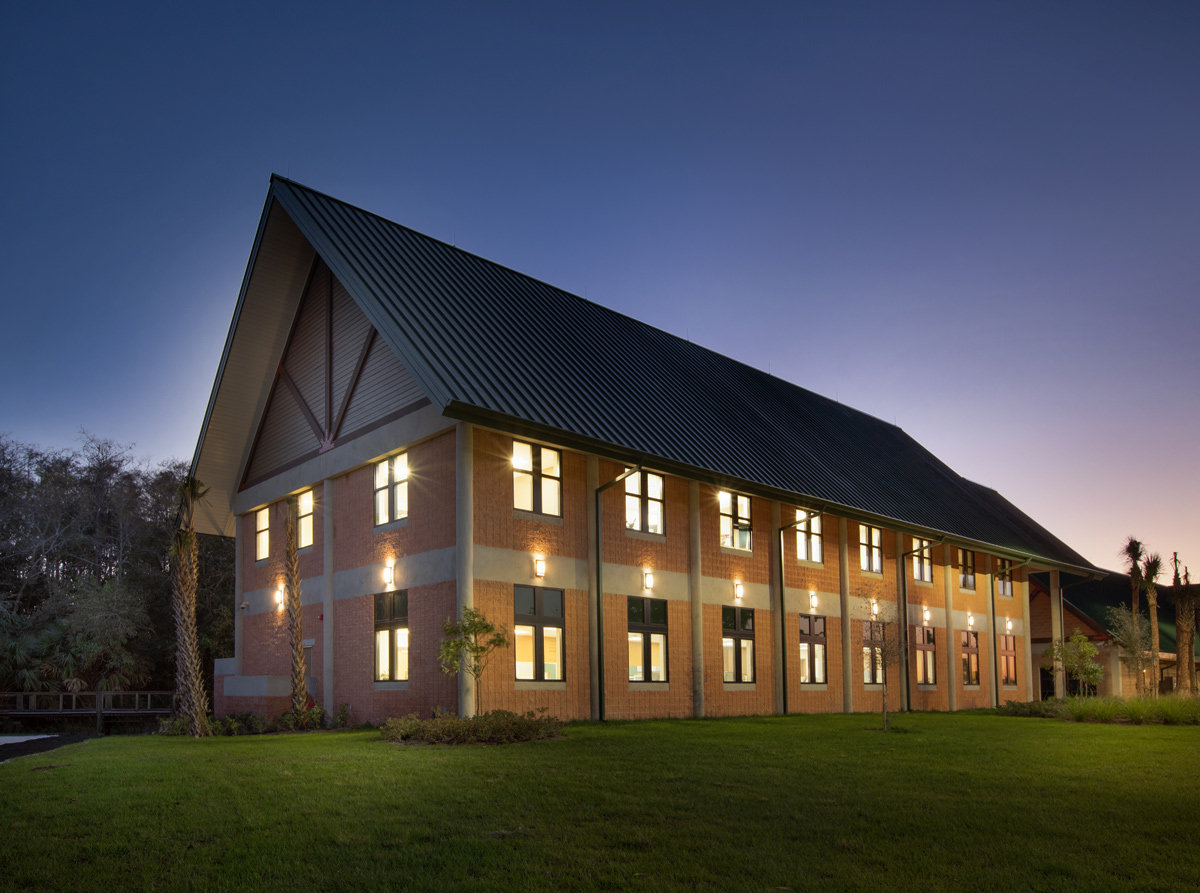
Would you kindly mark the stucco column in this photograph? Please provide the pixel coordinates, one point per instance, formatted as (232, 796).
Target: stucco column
(695, 569)
(592, 473)
(1115, 673)
(844, 600)
(902, 617)
(464, 529)
(327, 683)
(1056, 632)
(239, 590)
(777, 603)
(952, 682)
(993, 631)
(1024, 587)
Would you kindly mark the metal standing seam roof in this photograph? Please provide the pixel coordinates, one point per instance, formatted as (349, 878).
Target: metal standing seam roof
(486, 341)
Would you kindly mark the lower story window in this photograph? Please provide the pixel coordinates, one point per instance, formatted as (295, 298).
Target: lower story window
(926, 665)
(737, 643)
(812, 648)
(1008, 660)
(538, 621)
(391, 636)
(970, 657)
(647, 639)
(872, 652)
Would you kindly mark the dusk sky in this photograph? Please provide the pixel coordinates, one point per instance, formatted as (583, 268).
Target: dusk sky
(980, 221)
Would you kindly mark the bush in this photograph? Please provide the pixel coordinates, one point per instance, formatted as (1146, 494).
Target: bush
(172, 725)
(1139, 710)
(1093, 709)
(1053, 708)
(309, 719)
(341, 719)
(1175, 710)
(494, 727)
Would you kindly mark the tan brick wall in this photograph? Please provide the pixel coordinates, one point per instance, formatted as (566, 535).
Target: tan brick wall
(670, 555)
(270, 572)
(719, 701)
(802, 576)
(734, 564)
(676, 699)
(808, 699)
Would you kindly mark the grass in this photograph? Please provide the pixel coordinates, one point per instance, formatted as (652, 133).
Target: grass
(969, 800)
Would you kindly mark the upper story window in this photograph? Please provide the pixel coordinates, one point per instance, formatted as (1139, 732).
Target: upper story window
(735, 520)
(647, 639)
(262, 534)
(1004, 577)
(737, 643)
(926, 663)
(970, 657)
(808, 536)
(304, 511)
(966, 569)
(812, 648)
(644, 502)
(538, 633)
(391, 636)
(537, 479)
(922, 560)
(391, 489)
(870, 548)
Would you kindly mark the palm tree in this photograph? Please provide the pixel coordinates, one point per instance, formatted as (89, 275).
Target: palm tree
(185, 567)
(1151, 569)
(1133, 552)
(1185, 615)
(291, 570)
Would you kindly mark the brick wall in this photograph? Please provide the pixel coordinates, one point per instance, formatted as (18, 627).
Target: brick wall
(672, 699)
(719, 701)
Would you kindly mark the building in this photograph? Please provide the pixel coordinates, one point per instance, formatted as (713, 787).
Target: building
(455, 434)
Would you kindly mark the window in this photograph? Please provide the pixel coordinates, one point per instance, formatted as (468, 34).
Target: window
(737, 643)
(537, 479)
(644, 502)
(391, 489)
(966, 569)
(735, 520)
(970, 657)
(870, 548)
(808, 536)
(812, 648)
(647, 640)
(538, 631)
(1008, 660)
(304, 534)
(262, 534)
(1004, 577)
(926, 665)
(922, 560)
(391, 636)
(872, 652)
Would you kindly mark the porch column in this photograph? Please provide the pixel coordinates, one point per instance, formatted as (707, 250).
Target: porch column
(1029, 677)
(1056, 632)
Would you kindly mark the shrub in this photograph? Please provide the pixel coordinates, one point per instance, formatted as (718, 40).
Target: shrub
(172, 725)
(1175, 710)
(307, 720)
(494, 727)
(1052, 708)
(1139, 710)
(341, 719)
(1093, 709)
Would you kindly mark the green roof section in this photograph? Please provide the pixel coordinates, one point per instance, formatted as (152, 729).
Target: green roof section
(1093, 598)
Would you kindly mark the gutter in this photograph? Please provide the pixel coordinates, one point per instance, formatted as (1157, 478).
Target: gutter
(600, 580)
(783, 650)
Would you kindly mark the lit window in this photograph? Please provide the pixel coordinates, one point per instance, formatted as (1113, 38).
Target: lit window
(808, 536)
(970, 657)
(922, 560)
(305, 512)
(538, 633)
(391, 489)
(1008, 660)
(1004, 578)
(735, 520)
(926, 664)
(391, 636)
(644, 502)
(647, 640)
(537, 479)
(873, 633)
(737, 643)
(966, 569)
(870, 548)
(262, 534)
(812, 648)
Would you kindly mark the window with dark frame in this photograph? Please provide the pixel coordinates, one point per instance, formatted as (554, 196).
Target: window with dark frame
(391, 636)
(262, 534)
(737, 643)
(537, 479)
(1004, 577)
(538, 624)
(926, 656)
(647, 639)
(872, 652)
(644, 502)
(870, 548)
(808, 536)
(1008, 660)
(922, 560)
(391, 489)
(970, 657)
(304, 514)
(735, 520)
(812, 649)
(966, 569)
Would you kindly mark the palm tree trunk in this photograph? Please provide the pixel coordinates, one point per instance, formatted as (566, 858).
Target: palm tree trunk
(1152, 603)
(193, 698)
(292, 581)
(1135, 590)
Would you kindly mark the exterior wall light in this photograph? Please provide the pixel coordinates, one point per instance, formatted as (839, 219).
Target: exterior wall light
(279, 597)
(387, 575)
(812, 600)
(539, 567)
(874, 608)
(971, 620)
(1008, 625)
(738, 591)
(648, 579)
(925, 614)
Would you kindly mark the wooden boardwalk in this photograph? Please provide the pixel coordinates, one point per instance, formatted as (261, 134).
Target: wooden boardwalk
(103, 705)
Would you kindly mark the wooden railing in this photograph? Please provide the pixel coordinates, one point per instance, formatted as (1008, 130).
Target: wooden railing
(113, 704)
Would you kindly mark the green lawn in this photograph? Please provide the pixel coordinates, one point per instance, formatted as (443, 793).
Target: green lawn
(958, 802)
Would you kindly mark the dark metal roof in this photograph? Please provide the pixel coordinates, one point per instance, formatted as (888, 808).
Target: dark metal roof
(491, 344)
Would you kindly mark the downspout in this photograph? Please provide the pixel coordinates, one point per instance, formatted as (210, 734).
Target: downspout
(600, 579)
(783, 599)
(992, 607)
(906, 706)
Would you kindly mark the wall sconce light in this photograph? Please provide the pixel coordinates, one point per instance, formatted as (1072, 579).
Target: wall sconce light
(925, 614)
(874, 608)
(387, 575)
(970, 620)
(279, 597)
(1008, 626)
(245, 605)
(539, 567)
(812, 600)
(738, 591)
(648, 579)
